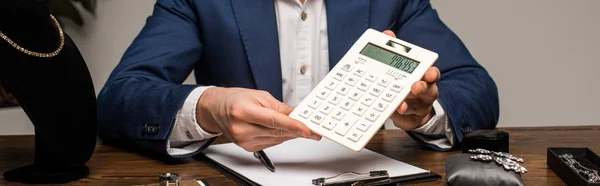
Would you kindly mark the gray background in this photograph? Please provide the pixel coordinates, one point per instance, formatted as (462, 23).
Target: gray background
(541, 53)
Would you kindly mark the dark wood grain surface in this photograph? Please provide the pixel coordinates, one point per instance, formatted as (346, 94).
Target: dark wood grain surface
(113, 166)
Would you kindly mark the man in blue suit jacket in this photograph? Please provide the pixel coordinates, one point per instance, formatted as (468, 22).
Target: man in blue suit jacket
(241, 50)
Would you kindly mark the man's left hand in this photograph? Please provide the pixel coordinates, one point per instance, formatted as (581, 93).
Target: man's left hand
(417, 108)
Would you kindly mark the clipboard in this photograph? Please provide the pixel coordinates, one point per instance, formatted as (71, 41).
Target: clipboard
(235, 162)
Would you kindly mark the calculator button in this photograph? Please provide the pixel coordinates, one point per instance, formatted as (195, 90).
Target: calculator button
(363, 85)
(317, 118)
(396, 87)
(380, 106)
(305, 113)
(360, 60)
(367, 101)
(345, 125)
(376, 91)
(359, 110)
(359, 72)
(323, 94)
(326, 109)
(347, 105)
(355, 135)
(331, 85)
(339, 114)
(351, 80)
(347, 67)
(372, 116)
(363, 125)
(343, 90)
(355, 95)
(339, 75)
(329, 124)
(389, 96)
(314, 104)
(371, 77)
(393, 73)
(334, 99)
(384, 82)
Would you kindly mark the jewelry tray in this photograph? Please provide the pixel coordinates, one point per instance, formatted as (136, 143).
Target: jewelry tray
(583, 155)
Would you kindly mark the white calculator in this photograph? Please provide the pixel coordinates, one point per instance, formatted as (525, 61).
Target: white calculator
(366, 86)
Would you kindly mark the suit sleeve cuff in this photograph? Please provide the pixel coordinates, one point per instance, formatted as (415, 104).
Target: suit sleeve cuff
(436, 131)
(187, 136)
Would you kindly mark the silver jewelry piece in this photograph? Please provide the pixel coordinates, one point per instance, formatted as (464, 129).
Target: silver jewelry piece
(521, 169)
(480, 151)
(500, 154)
(506, 160)
(509, 164)
(482, 157)
(591, 174)
(509, 156)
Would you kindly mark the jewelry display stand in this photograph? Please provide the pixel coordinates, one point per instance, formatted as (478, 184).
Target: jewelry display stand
(485, 161)
(45, 71)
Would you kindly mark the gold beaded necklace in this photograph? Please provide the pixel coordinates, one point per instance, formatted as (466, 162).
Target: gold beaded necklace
(37, 54)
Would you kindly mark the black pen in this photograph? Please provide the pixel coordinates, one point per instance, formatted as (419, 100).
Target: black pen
(262, 156)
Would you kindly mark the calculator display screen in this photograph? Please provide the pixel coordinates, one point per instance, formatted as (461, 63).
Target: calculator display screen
(389, 58)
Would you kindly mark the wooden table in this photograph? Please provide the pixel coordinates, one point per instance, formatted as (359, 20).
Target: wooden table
(112, 166)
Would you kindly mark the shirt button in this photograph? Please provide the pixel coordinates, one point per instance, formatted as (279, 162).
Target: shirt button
(303, 16)
(303, 69)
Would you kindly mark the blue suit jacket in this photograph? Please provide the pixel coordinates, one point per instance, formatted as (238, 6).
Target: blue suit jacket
(234, 43)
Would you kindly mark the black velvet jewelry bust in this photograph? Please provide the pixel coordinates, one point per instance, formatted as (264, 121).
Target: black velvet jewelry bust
(56, 93)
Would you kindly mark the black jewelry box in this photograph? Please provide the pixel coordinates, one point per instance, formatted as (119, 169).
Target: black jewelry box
(583, 155)
(494, 140)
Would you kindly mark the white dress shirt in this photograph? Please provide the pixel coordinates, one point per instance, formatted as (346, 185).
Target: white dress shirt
(303, 46)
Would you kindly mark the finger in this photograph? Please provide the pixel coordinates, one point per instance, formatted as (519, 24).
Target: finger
(405, 122)
(415, 107)
(262, 131)
(411, 95)
(276, 120)
(402, 108)
(289, 110)
(284, 108)
(425, 95)
(432, 75)
(424, 91)
(265, 99)
(248, 135)
(418, 88)
(430, 95)
(271, 102)
(390, 33)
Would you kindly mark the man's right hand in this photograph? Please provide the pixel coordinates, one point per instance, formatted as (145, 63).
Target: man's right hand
(252, 119)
